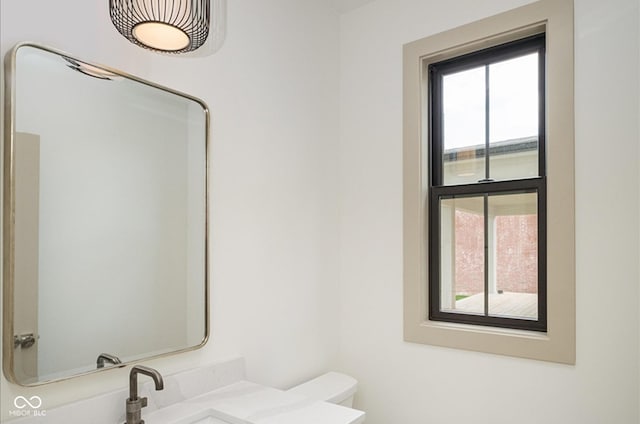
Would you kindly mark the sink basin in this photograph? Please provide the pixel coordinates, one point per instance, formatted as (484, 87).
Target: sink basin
(203, 417)
(208, 420)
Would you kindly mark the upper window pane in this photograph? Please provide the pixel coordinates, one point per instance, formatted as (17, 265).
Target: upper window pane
(514, 118)
(488, 116)
(464, 122)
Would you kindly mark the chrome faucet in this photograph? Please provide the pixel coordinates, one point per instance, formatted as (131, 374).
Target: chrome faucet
(135, 404)
(104, 358)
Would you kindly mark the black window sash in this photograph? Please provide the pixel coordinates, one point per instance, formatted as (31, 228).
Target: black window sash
(436, 194)
(438, 191)
(484, 57)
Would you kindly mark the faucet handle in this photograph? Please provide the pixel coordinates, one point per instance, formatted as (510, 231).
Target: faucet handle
(134, 410)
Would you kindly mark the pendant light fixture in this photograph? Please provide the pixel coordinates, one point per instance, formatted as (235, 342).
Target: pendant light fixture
(170, 26)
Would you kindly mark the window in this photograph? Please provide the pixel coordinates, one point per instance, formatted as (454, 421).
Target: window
(488, 177)
(487, 197)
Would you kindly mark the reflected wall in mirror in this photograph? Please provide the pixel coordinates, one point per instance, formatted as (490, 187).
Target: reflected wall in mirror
(105, 218)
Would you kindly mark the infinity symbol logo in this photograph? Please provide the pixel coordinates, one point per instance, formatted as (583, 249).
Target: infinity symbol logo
(22, 402)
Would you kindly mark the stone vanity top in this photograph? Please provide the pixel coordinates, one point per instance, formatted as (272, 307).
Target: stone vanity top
(249, 403)
(212, 394)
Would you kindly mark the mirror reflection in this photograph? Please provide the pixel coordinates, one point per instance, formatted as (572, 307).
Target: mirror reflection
(105, 218)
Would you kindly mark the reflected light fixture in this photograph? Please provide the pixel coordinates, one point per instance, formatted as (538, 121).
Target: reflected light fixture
(90, 70)
(169, 26)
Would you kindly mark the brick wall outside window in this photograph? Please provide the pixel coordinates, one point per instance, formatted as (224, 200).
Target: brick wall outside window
(516, 249)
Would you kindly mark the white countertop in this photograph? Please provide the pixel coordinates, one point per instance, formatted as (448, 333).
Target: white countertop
(213, 394)
(249, 403)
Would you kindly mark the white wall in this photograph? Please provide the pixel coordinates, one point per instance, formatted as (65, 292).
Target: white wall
(273, 92)
(274, 100)
(410, 383)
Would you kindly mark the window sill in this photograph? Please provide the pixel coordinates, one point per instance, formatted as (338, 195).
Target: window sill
(500, 341)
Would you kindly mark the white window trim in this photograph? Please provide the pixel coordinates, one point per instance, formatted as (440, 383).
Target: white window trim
(558, 344)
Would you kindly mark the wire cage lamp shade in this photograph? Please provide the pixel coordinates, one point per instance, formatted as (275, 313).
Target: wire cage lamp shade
(169, 26)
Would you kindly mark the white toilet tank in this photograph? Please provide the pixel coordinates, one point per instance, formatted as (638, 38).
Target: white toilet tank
(331, 387)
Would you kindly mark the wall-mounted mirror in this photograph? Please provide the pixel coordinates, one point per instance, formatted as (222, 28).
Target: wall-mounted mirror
(105, 218)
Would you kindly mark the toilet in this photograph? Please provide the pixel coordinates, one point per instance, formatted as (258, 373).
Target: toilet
(331, 387)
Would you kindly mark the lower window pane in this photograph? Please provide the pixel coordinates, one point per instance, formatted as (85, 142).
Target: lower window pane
(513, 255)
(462, 255)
